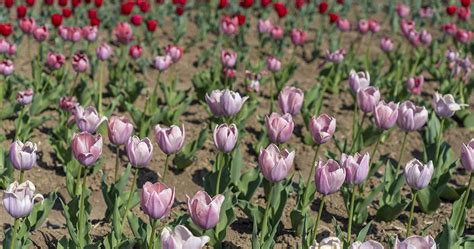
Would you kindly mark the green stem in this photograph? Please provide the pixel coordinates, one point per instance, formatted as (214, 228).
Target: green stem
(438, 142)
(359, 131)
(315, 229)
(219, 171)
(22, 176)
(272, 84)
(15, 231)
(402, 150)
(117, 162)
(466, 197)
(20, 123)
(166, 168)
(266, 216)
(101, 75)
(308, 181)
(78, 180)
(354, 119)
(132, 190)
(411, 213)
(153, 232)
(374, 150)
(81, 208)
(351, 215)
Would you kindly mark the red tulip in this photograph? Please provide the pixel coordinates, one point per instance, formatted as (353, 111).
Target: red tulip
(8, 3)
(62, 3)
(464, 13)
(92, 13)
(67, 12)
(136, 20)
(179, 2)
(333, 17)
(299, 3)
(75, 3)
(6, 29)
(179, 10)
(144, 6)
(466, 3)
(94, 22)
(151, 25)
(265, 3)
(246, 3)
(56, 19)
(49, 2)
(98, 3)
(451, 10)
(323, 7)
(223, 4)
(30, 2)
(280, 9)
(21, 11)
(340, 1)
(241, 19)
(126, 8)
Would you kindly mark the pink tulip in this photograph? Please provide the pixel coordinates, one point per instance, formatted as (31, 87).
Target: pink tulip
(174, 52)
(426, 12)
(19, 199)
(181, 238)
(417, 174)
(123, 32)
(88, 119)
(254, 81)
(358, 80)
(275, 164)
(120, 129)
(156, 200)
(55, 60)
(385, 115)
(329, 177)
(103, 51)
(415, 84)
(89, 33)
(298, 37)
(363, 26)
(80, 62)
(449, 28)
(6, 67)
(464, 13)
(225, 102)
(228, 58)
(414, 37)
(161, 63)
(445, 105)
(368, 98)
(72, 34)
(411, 117)
(290, 100)
(336, 56)
(170, 140)
(277, 33)
(463, 36)
(229, 73)
(229, 25)
(68, 103)
(425, 37)
(225, 137)
(374, 26)
(86, 148)
(27, 25)
(417, 242)
(343, 24)
(135, 51)
(406, 26)
(204, 210)
(386, 44)
(357, 167)
(139, 152)
(403, 10)
(25, 97)
(467, 156)
(23, 155)
(279, 127)
(264, 26)
(322, 128)
(273, 64)
(40, 33)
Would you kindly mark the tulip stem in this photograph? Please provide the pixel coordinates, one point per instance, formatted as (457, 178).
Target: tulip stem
(101, 74)
(465, 199)
(351, 215)
(78, 180)
(359, 131)
(271, 92)
(411, 213)
(438, 142)
(14, 232)
(321, 206)
(22, 176)
(219, 172)
(117, 161)
(153, 232)
(311, 172)
(374, 150)
(132, 190)
(266, 216)
(402, 150)
(81, 209)
(166, 168)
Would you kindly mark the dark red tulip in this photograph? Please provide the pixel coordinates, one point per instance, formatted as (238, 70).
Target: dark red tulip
(246, 3)
(223, 4)
(323, 7)
(299, 3)
(56, 19)
(265, 3)
(75, 3)
(333, 17)
(242, 19)
(144, 6)
(340, 1)
(88, 1)
(126, 8)
(136, 20)
(466, 3)
(151, 25)
(21, 11)
(8, 3)
(95, 22)
(98, 3)
(67, 12)
(451, 10)
(92, 13)
(30, 2)
(280, 9)
(6, 29)
(62, 3)
(179, 10)
(159, 1)
(49, 2)
(179, 2)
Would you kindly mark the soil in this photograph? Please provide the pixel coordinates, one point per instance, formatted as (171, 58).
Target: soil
(48, 177)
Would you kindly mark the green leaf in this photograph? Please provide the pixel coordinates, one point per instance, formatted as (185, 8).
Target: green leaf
(428, 200)
(390, 212)
(363, 232)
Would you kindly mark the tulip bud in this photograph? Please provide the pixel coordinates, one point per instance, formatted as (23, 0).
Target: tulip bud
(327, 243)
(277, 32)
(204, 210)
(290, 100)
(88, 119)
(363, 26)
(385, 115)
(403, 10)
(374, 26)
(55, 61)
(273, 64)
(228, 58)
(322, 128)
(445, 105)
(336, 56)
(343, 24)
(161, 63)
(103, 51)
(135, 51)
(279, 127)
(86, 148)
(18, 199)
(417, 174)
(156, 200)
(68, 103)
(357, 167)
(181, 238)
(358, 80)
(467, 155)
(275, 164)
(368, 98)
(225, 102)
(329, 177)
(25, 97)
(27, 25)
(89, 33)
(120, 130)
(264, 26)
(370, 244)
(415, 84)
(40, 33)
(411, 117)
(229, 25)
(174, 52)
(23, 156)
(139, 152)
(416, 242)
(6, 67)
(80, 62)
(123, 32)
(425, 37)
(298, 37)
(386, 44)
(170, 140)
(225, 137)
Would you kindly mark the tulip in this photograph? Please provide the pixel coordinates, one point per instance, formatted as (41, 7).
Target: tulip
(156, 200)
(55, 60)
(357, 167)
(225, 102)
(21, 11)
(25, 97)
(327, 243)
(18, 199)
(425, 37)
(135, 51)
(322, 7)
(89, 33)
(88, 119)
(403, 10)
(228, 58)
(80, 62)
(229, 25)
(329, 177)
(343, 24)
(174, 52)
(68, 103)
(467, 156)
(368, 98)
(86, 148)
(264, 26)
(411, 117)
(418, 242)
(451, 10)
(275, 164)
(414, 37)
(385, 115)
(298, 37)
(417, 174)
(415, 84)
(170, 140)
(6, 29)
(123, 32)
(136, 20)
(358, 80)
(27, 25)
(374, 26)
(204, 210)
(290, 100)
(120, 130)
(280, 9)
(40, 33)
(279, 127)
(363, 26)
(464, 36)
(56, 19)
(464, 14)
(386, 44)
(322, 128)
(67, 12)
(336, 56)
(23, 156)
(254, 81)
(449, 28)
(151, 25)
(276, 33)
(181, 238)
(225, 137)
(4, 46)
(273, 64)
(445, 105)
(161, 63)
(139, 152)
(370, 244)
(103, 51)
(72, 34)
(406, 26)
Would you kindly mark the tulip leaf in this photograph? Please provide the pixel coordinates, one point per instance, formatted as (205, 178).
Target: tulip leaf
(428, 200)
(363, 232)
(236, 165)
(390, 212)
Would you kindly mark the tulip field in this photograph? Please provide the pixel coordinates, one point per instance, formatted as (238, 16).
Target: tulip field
(266, 124)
